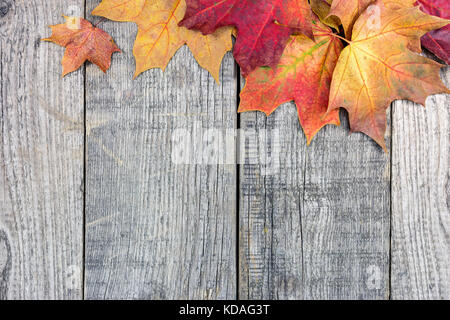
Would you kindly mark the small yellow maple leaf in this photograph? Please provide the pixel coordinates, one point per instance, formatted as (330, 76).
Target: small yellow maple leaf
(159, 36)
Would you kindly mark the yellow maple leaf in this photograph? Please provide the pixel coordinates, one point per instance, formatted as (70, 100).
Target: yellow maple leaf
(159, 36)
(379, 66)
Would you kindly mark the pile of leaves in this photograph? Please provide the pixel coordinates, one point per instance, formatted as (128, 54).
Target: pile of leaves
(323, 54)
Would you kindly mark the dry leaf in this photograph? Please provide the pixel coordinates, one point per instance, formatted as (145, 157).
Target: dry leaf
(378, 67)
(348, 11)
(159, 36)
(322, 9)
(263, 27)
(303, 75)
(83, 42)
(437, 41)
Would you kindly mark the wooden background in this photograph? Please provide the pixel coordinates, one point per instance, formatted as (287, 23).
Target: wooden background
(93, 207)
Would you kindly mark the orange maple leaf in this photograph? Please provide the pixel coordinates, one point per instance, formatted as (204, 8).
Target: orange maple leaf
(379, 66)
(83, 41)
(159, 36)
(303, 75)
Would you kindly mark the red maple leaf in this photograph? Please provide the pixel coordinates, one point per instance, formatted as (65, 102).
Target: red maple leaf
(263, 26)
(437, 41)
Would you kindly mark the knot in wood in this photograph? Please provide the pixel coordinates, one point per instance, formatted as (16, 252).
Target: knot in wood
(5, 5)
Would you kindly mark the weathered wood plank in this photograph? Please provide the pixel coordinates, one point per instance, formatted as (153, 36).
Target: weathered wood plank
(271, 193)
(420, 198)
(41, 147)
(345, 218)
(318, 228)
(157, 229)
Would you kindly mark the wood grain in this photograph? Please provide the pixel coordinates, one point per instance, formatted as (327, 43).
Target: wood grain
(420, 198)
(345, 216)
(314, 222)
(318, 227)
(41, 144)
(271, 195)
(158, 229)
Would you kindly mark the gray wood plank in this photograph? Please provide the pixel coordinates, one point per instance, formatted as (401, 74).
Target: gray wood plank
(346, 216)
(157, 229)
(318, 228)
(271, 193)
(41, 147)
(420, 198)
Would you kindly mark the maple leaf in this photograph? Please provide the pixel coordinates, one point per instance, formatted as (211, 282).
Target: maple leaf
(378, 67)
(263, 26)
(159, 36)
(322, 9)
(437, 41)
(83, 41)
(303, 75)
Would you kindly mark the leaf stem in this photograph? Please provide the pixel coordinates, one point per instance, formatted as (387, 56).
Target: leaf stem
(328, 33)
(101, 21)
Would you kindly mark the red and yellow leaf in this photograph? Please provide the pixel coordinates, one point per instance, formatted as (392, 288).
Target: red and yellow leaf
(303, 75)
(263, 26)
